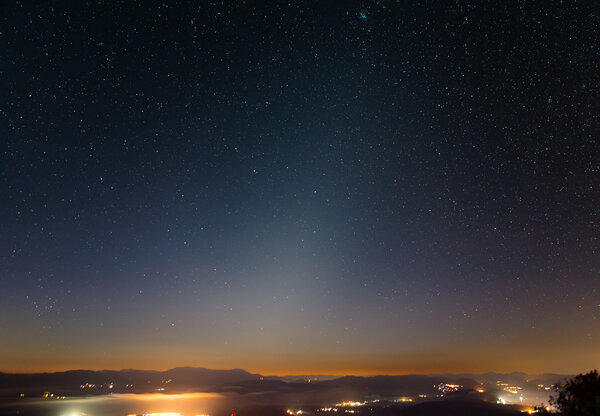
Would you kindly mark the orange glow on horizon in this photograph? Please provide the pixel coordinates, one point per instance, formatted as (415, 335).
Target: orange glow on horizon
(280, 371)
(498, 359)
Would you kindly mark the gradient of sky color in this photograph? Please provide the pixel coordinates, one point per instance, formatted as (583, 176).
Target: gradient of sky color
(353, 187)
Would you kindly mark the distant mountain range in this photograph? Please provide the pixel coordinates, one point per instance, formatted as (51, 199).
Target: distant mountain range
(87, 382)
(191, 379)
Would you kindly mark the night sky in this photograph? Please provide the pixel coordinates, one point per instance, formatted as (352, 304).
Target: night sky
(355, 187)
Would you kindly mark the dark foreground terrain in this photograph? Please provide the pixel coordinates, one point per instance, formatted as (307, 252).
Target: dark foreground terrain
(198, 391)
(446, 407)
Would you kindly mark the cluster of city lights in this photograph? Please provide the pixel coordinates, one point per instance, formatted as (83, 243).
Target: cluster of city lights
(403, 400)
(445, 387)
(92, 386)
(350, 404)
(335, 409)
(343, 404)
(508, 388)
(48, 395)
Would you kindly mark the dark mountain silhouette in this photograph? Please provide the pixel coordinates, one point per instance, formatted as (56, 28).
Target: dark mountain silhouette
(265, 388)
(254, 394)
(124, 381)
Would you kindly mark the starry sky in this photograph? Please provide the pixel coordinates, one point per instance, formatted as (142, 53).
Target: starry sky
(290, 187)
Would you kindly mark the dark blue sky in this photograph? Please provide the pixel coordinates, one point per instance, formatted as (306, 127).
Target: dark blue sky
(340, 187)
